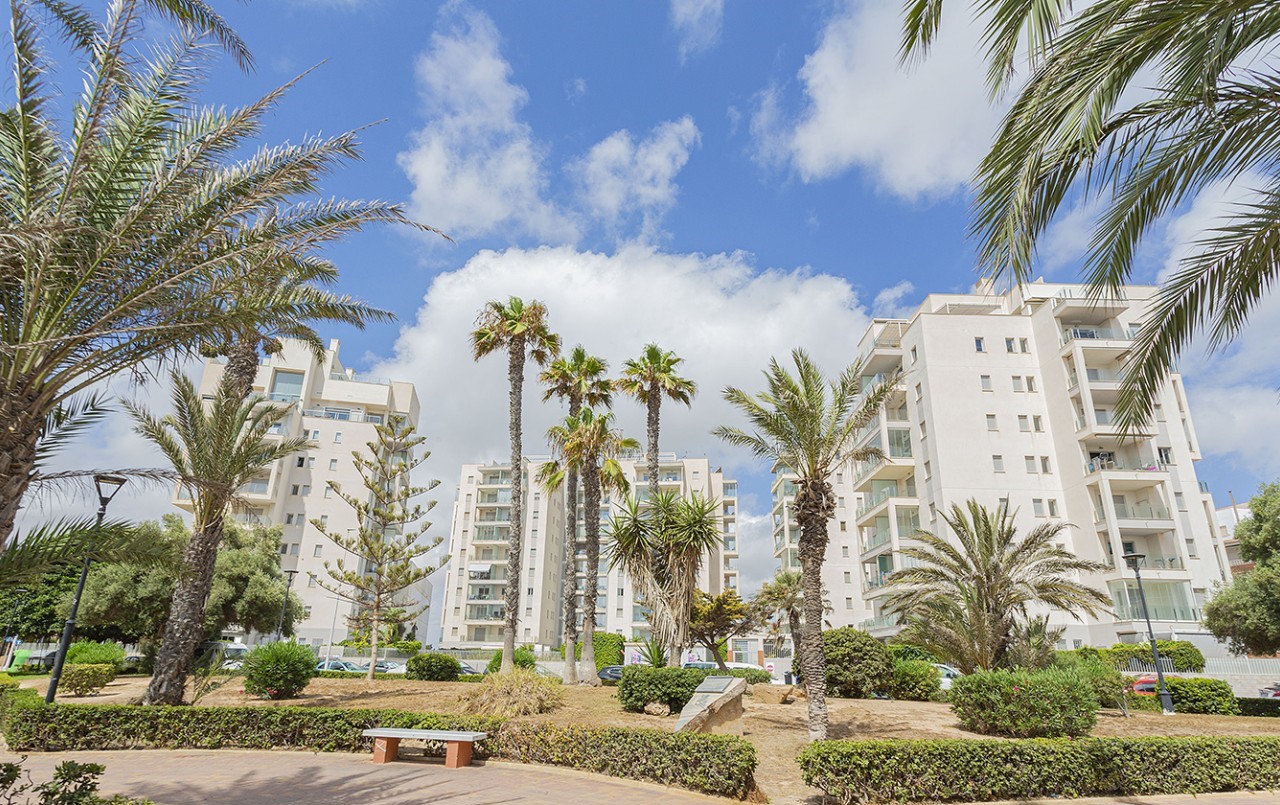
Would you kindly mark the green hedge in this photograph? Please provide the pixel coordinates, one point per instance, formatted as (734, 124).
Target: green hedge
(1183, 654)
(608, 647)
(915, 680)
(1192, 696)
(985, 770)
(433, 667)
(1025, 704)
(87, 680)
(673, 687)
(1265, 708)
(714, 764)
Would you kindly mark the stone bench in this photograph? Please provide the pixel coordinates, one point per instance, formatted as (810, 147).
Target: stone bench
(386, 743)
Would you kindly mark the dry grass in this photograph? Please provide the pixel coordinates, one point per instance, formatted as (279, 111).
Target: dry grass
(519, 693)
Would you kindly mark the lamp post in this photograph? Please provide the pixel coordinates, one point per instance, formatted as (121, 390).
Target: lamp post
(107, 486)
(13, 628)
(1166, 701)
(284, 607)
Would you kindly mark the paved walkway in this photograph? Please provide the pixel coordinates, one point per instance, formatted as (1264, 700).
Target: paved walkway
(188, 777)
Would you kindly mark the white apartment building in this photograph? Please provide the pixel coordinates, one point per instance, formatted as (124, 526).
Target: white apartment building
(1009, 399)
(338, 412)
(475, 578)
(1228, 517)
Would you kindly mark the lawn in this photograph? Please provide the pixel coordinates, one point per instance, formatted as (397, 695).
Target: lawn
(777, 730)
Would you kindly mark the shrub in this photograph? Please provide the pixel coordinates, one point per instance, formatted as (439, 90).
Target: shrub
(353, 674)
(608, 648)
(1204, 696)
(986, 770)
(858, 665)
(7, 681)
(406, 646)
(91, 652)
(279, 670)
(1264, 708)
(433, 667)
(1108, 684)
(72, 784)
(523, 658)
(653, 653)
(87, 680)
(641, 684)
(906, 651)
(1182, 654)
(915, 680)
(1025, 704)
(521, 693)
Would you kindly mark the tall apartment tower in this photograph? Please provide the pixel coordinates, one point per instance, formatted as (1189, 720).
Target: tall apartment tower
(1010, 399)
(475, 581)
(338, 412)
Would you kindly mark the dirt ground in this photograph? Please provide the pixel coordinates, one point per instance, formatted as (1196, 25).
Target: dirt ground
(778, 731)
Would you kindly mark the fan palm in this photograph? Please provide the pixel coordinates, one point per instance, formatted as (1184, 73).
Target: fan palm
(589, 445)
(216, 449)
(520, 329)
(128, 229)
(965, 597)
(808, 425)
(647, 380)
(579, 379)
(784, 595)
(660, 547)
(1136, 106)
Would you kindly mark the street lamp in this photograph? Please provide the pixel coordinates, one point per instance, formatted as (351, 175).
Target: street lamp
(285, 606)
(107, 486)
(13, 627)
(1166, 701)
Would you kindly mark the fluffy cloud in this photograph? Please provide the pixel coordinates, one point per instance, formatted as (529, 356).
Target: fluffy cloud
(697, 23)
(888, 303)
(619, 176)
(919, 129)
(476, 166)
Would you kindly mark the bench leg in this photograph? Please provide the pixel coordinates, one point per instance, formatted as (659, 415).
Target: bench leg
(457, 754)
(385, 749)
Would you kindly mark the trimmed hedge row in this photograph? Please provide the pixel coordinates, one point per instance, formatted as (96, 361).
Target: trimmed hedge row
(1193, 696)
(713, 764)
(986, 770)
(381, 675)
(642, 684)
(1265, 708)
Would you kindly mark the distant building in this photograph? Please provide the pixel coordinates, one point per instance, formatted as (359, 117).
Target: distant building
(1228, 517)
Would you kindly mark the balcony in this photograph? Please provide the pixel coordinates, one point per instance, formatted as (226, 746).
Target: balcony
(877, 538)
(502, 497)
(258, 486)
(881, 623)
(1102, 426)
(1092, 334)
(344, 415)
(494, 517)
(874, 581)
(489, 533)
(485, 613)
(1141, 512)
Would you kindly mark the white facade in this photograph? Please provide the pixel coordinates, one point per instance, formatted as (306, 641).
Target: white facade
(475, 580)
(338, 411)
(1009, 399)
(1227, 518)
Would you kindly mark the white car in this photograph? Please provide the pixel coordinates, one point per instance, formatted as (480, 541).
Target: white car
(948, 673)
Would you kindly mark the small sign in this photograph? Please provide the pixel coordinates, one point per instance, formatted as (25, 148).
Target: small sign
(769, 667)
(714, 684)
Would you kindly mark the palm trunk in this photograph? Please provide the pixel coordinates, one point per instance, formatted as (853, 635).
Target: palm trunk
(242, 368)
(376, 624)
(653, 404)
(21, 431)
(592, 483)
(515, 535)
(570, 589)
(185, 629)
(793, 620)
(813, 508)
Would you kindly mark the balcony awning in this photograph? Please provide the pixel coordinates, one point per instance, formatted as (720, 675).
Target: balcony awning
(479, 567)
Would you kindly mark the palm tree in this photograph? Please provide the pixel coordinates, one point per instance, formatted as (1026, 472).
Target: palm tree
(661, 547)
(521, 329)
(129, 228)
(1134, 107)
(579, 379)
(964, 598)
(785, 595)
(809, 426)
(216, 448)
(648, 379)
(589, 444)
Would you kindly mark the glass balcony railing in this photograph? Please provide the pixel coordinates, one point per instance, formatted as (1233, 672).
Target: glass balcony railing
(489, 533)
(1123, 464)
(258, 486)
(494, 517)
(874, 539)
(875, 581)
(484, 613)
(1094, 334)
(1141, 512)
(1158, 612)
(882, 622)
(876, 499)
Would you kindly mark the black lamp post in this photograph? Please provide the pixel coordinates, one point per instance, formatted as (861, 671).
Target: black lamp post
(107, 487)
(13, 628)
(285, 606)
(1166, 701)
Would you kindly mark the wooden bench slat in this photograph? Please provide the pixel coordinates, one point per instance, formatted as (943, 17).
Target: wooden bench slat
(426, 735)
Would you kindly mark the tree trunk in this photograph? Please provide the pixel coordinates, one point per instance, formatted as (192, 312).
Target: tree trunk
(570, 588)
(591, 481)
(21, 431)
(242, 368)
(515, 534)
(376, 624)
(653, 404)
(793, 620)
(814, 506)
(185, 629)
(715, 653)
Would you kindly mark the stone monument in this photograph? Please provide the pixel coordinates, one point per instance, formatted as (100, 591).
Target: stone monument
(716, 706)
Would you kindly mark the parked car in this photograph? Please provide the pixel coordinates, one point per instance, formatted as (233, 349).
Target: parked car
(610, 673)
(1148, 684)
(339, 665)
(394, 667)
(467, 670)
(949, 673)
(1270, 692)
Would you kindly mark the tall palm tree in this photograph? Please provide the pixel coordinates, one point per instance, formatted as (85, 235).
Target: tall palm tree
(590, 445)
(128, 229)
(579, 379)
(661, 547)
(784, 595)
(1135, 107)
(216, 448)
(521, 329)
(965, 597)
(647, 380)
(805, 424)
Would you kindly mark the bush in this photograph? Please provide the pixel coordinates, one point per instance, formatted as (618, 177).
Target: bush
(641, 684)
(608, 648)
(87, 680)
(279, 670)
(905, 651)
(521, 693)
(1204, 696)
(858, 665)
(72, 784)
(353, 674)
(433, 667)
(916, 681)
(523, 658)
(1025, 704)
(1263, 708)
(1183, 655)
(1108, 684)
(91, 652)
(986, 770)
(406, 646)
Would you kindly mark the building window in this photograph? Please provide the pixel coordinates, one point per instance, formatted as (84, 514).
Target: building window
(284, 549)
(302, 461)
(933, 512)
(293, 549)
(1022, 344)
(919, 393)
(316, 551)
(1010, 345)
(979, 345)
(315, 435)
(311, 580)
(986, 382)
(913, 355)
(924, 431)
(1037, 424)
(324, 521)
(288, 519)
(328, 491)
(1053, 507)
(1037, 506)
(1024, 423)
(333, 464)
(293, 490)
(1031, 384)
(844, 526)
(848, 603)
(839, 477)
(337, 437)
(844, 551)
(306, 613)
(928, 472)
(1180, 500)
(1045, 467)
(991, 422)
(997, 463)
(1031, 463)
(306, 490)
(1164, 455)
(1003, 503)
(840, 502)
(1017, 383)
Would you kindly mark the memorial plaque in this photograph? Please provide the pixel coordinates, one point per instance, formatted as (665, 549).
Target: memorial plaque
(714, 684)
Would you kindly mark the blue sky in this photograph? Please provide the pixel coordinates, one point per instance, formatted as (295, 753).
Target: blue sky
(730, 180)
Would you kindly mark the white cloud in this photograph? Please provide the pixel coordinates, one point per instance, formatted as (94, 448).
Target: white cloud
(919, 129)
(1066, 241)
(756, 562)
(575, 89)
(888, 303)
(619, 177)
(475, 166)
(697, 23)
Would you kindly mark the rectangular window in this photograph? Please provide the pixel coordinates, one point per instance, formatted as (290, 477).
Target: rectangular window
(924, 431)
(324, 521)
(1031, 384)
(1045, 467)
(284, 549)
(848, 577)
(328, 491)
(839, 477)
(1017, 383)
(1053, 507)
(840, 501)
(311, 463)
(293, 490)
(316, 551)
(1003, 503)
(928, 473)
(1037, 506)
(991, 422)
(315, 435)
(933, 512)
(1031, 463)
(913, 355)
(1164, 455)
(288, 519)
(306, 490)
(919, 393)
(1037, 424)
(1180, 500)
(302, 461)
(311, 579)
(1024, 423)
(337, 437)
(333, 464)
(306, 613)
(848, 603)
(1023, 345)
(1010, 345)
(844, 525)
(979, 345)
(844, 551)
(293, 549)
(986, 382)
(997, 463)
